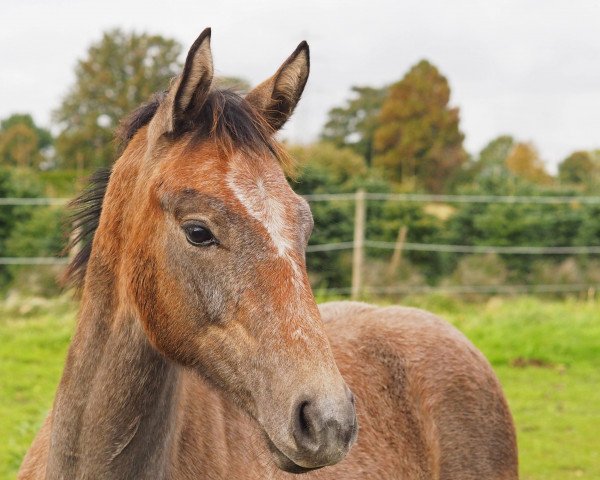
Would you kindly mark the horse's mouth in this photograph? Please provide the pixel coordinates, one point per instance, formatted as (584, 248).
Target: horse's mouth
(284, 462)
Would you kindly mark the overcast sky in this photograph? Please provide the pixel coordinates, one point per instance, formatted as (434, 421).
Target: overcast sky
(524, 67)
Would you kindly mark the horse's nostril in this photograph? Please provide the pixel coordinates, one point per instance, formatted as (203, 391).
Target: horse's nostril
(308, 427)
(304, 419)
(320, 427)
(324, 429)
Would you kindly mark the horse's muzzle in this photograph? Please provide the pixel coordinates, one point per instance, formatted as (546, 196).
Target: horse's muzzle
(324, 430)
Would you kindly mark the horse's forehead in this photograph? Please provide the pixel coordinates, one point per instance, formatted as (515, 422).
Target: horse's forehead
(202, 168)
(214, 173)
(260, 187)
(259, 177)
(250, 185)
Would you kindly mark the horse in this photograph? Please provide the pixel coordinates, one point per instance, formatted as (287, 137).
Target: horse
(199, 350)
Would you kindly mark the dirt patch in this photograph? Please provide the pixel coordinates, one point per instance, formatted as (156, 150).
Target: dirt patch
(521, 362)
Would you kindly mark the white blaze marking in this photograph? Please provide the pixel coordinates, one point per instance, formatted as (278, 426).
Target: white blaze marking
(263, 196)
(257, 195)
(270, 212)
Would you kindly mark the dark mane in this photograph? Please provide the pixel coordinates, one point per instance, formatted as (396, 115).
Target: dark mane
(225, 117)
(230, 120)
(83, 219)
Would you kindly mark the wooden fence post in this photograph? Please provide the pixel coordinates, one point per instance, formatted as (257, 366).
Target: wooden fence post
(397, 255)
(360, 214)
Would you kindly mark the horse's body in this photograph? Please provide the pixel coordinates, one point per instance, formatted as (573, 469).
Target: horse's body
(429, 406)
(199, 351)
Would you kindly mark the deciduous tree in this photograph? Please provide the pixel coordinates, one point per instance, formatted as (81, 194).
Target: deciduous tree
(22, 142)
(524, 161)
(118, 73)
(578, 168)
(418, 138)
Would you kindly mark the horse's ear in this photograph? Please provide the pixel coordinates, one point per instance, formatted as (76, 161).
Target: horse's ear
(191, 89)
(277, 96)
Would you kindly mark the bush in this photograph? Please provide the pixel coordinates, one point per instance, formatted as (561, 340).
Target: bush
(14, 183)
(384, 221)
(566, 272)
(479, 270)
(63, 182)
(378, 274)
(324, 168)
(41, 235)
(535, 225)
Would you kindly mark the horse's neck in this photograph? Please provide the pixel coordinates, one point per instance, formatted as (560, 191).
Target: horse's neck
(115, 407)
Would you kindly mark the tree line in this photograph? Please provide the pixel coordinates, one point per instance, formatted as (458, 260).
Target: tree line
(402, 137)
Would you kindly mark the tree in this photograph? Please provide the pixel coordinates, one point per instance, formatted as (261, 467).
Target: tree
(325, 168)
(489, 168)
(354, 124)
(43, 135)
(22, 142)
(418, 138)
(493, 156)
(118, 73)
(524, 161)
(578, 168)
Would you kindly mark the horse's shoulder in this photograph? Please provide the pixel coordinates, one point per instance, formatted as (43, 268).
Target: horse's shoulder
(415, 335)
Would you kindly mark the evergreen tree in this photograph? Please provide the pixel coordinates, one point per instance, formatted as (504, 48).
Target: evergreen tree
(353, 125)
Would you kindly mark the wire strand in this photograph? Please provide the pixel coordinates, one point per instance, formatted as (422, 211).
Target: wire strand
(33, 260)
(476, 249)
(34, 201)
(396, 197)
(417, 197)
(465, 289)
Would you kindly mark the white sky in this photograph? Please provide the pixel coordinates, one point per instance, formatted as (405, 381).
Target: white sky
(530, 68)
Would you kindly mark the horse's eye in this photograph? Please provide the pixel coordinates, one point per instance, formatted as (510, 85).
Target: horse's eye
(198, 235)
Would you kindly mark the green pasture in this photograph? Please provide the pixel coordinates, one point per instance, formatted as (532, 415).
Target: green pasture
(546, 353)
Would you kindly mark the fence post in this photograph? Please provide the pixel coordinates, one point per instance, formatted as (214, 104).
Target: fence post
(360, 214)
(397, 255)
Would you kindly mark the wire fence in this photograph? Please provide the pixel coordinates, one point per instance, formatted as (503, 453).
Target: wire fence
(360, 243)
(426, 198)
(406, 246)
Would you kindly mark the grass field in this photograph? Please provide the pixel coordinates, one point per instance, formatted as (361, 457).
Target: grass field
(546, 353)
